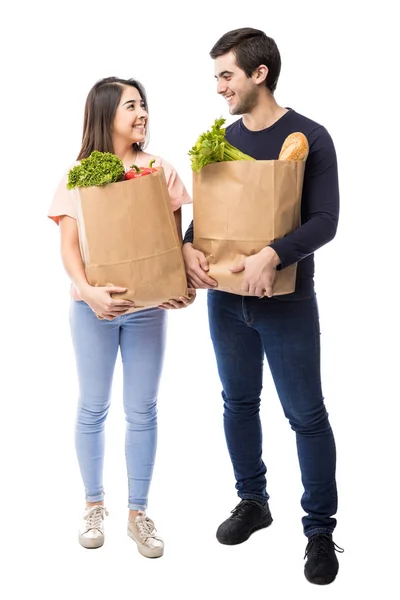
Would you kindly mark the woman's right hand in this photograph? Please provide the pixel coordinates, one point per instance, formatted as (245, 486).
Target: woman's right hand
(102, 304)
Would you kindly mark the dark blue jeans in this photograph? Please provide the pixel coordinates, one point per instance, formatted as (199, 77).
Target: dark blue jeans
(286, 329)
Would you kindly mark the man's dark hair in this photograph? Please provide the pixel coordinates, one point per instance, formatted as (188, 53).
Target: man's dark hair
(252, 48)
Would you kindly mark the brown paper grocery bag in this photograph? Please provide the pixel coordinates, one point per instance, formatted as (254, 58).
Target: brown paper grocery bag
(239, 207)
(128, 238)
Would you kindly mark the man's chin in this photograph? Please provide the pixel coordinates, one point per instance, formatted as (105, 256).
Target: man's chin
(235, 110)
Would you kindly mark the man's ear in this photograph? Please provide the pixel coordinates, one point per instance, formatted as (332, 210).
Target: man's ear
(260, 74)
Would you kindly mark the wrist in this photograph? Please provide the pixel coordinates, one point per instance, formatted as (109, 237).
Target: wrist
(271, 256)
(83, 289)
(187, 245)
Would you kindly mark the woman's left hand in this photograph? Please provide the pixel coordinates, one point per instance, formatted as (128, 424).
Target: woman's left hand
(180, 302)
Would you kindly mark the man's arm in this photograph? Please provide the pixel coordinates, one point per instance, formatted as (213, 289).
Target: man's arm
(189, 235)
(320, 204)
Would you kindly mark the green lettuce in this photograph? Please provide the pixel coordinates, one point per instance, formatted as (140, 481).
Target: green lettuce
(99, 168)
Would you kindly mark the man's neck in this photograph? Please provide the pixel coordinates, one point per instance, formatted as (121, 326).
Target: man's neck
(266, 113)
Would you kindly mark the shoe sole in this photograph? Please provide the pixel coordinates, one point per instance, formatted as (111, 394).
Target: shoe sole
(144, 551)
(91, 544)
(263, 525)
(320, 581)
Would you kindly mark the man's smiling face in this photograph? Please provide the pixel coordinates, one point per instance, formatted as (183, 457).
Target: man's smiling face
(241, 92)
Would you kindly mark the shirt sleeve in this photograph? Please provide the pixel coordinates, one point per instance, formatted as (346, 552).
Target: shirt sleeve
(64, 202)
(177, 190)
(189, 235)
(319, 206)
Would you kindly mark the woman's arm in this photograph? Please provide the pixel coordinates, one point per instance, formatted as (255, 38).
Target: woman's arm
(182, 301)
(178, 223)
(71, 254)
(98, 298)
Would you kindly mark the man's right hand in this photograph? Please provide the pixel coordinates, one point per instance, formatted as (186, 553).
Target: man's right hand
(102, 304)
(196, 266)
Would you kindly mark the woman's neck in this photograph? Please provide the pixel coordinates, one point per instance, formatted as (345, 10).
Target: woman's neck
(126, 153)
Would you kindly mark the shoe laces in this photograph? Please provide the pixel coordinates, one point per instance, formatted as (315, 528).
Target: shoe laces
(94, 516)
(146, 527)
(243, 506)
(321, 543)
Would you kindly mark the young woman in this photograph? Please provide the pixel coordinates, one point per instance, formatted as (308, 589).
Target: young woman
(116, 120)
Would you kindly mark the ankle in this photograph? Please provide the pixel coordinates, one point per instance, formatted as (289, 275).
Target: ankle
(90, 504)
(133, 514)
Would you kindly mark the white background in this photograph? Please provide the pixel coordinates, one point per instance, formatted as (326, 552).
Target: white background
(338, 68)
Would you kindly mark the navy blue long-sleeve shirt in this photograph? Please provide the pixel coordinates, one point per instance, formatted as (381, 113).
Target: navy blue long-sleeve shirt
(320, 196)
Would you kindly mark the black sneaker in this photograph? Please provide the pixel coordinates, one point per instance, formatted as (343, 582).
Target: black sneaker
(247, 517)
(322, 564)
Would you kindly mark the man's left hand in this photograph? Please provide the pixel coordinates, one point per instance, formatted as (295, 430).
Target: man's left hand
(259, 272)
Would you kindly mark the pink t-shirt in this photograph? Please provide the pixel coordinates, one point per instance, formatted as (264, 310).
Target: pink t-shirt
(65, 201)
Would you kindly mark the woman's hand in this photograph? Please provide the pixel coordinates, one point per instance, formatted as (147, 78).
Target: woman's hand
(180, 302)
(102, 304)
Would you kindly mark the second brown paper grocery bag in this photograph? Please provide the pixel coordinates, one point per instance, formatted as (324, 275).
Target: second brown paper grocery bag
(239, 207)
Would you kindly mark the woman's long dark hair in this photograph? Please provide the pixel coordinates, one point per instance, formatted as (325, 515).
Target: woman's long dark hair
(100, 108)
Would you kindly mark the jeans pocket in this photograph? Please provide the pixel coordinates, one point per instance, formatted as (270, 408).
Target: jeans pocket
(294, 296)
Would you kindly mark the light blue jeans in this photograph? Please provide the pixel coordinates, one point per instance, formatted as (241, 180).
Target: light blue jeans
(141, 339)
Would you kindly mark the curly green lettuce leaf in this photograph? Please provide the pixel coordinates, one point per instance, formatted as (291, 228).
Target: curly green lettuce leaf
(99, 168)
(212, 147)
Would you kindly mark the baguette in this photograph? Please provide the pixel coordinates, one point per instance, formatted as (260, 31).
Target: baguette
(295, 147)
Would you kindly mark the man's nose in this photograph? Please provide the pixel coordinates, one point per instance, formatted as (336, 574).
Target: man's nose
(221, 86)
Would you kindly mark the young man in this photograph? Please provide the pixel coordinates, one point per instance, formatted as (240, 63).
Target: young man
(285, 328)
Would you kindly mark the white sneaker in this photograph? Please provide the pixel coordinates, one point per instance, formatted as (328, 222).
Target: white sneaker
(91, 532)
(142, 530)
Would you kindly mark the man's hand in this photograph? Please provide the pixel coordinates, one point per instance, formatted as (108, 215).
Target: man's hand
(259, 272)
(180, 302)
(196, 266)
